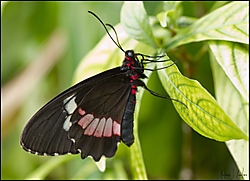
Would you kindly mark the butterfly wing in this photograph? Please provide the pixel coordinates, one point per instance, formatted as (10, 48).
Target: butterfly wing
(85, 118)
(95, 126)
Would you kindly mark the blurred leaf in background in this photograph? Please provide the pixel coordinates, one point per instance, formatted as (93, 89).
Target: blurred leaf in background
(43, 45)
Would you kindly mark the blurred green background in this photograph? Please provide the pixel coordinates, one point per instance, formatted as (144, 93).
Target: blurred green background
(170, 148)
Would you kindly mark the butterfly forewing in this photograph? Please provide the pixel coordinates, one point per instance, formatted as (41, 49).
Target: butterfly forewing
(44, 134)
(57, 128)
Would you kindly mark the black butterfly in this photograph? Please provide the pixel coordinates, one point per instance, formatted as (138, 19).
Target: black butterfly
(93, 116)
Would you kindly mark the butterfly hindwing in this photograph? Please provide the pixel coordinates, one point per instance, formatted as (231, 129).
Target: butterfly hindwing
(99, 116)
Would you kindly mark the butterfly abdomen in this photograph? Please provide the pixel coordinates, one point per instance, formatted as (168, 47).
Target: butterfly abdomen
(127, 135)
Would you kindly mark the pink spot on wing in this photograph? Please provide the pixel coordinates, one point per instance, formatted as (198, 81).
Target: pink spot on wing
(81, 111)
(92, 127)
(100, 128)
(108, 128)
(85, 120)
(116, 128)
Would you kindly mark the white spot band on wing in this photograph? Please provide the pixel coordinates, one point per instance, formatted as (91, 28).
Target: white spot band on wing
(67, 123)
(71, 105)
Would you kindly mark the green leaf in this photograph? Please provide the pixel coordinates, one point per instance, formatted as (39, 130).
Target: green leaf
(136, 23)
(204, 114)
(185, 21)
(232, 25)
(230, 99)
(233, 58)
(171, 13)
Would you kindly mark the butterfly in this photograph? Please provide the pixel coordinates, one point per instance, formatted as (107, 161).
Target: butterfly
(93, 116)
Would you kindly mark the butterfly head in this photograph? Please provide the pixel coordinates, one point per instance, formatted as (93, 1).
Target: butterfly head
(130, 54)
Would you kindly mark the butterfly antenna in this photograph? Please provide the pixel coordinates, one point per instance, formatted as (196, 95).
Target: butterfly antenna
(118, 43)
(104, 25)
